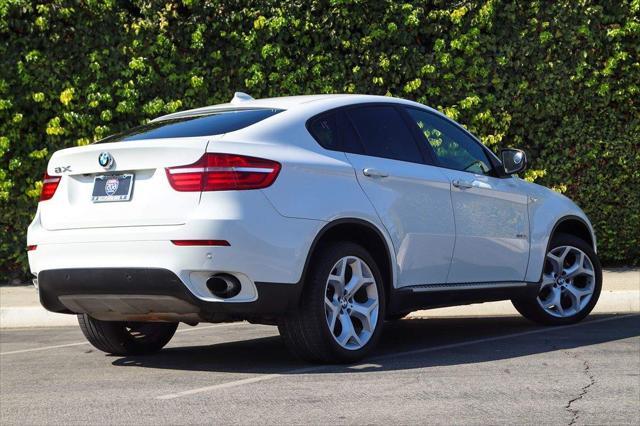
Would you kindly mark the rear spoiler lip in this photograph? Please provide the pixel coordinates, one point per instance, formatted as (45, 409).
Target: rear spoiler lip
(210, 110)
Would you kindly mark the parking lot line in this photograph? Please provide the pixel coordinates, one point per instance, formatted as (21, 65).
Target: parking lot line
(220, 386)
(394, 355)
(44, 348)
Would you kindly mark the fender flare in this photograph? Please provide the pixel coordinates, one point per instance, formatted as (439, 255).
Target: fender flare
(577, 218)
(388, 245)
(559, 222)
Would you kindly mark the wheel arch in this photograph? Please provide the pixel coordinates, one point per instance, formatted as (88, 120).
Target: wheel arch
(569, 224)
(573, 225)
(363, 232)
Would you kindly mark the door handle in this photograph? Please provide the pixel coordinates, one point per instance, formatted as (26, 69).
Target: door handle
(462, 184)
(375, 173)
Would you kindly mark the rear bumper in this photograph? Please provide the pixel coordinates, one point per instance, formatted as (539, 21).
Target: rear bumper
(148, 294)
(264, 245)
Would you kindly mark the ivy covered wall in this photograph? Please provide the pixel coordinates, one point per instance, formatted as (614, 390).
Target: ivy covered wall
(560, 79)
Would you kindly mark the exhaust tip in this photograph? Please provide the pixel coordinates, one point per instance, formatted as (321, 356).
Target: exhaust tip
(224, 286)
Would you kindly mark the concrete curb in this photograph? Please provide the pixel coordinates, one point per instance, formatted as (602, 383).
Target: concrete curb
(610, 302)
(33, 316)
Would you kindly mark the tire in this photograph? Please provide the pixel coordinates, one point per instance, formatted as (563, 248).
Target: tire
(589, 281)
(126, 338)
(307, 331)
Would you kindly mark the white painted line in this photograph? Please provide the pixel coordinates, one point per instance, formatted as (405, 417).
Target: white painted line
(186, 330)
(265, 377)
(220, 386)
(44, 348)
(364, 366)
(240, 382)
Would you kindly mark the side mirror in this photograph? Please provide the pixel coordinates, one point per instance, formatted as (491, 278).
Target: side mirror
(513, 160)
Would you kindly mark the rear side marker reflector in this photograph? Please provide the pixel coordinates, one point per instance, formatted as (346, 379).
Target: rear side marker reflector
(49, 186)
(32, 248)
(222, 243)
(223, 172)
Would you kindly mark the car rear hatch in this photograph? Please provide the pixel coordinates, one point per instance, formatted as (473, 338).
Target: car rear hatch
(122, 180)
(80, 200)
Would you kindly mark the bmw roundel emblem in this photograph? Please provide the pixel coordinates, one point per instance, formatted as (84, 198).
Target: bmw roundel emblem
(105, 160)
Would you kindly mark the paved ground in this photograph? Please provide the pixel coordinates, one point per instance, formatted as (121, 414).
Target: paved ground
(446, 370)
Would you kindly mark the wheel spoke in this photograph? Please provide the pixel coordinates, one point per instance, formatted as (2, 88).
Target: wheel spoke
(353, 286)
(338, 275)
(557, 261)
(356, 268)
(547, 280)
(366, 312)
(553, 302)
(358, 279)
(577, 294)
(348, 331)
(577, 268)
(332, 311)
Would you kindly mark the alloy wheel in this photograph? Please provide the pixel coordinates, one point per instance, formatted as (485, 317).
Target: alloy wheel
(568, 282)
(351, 303)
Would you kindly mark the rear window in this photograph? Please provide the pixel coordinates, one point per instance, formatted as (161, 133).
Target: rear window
(201, 125)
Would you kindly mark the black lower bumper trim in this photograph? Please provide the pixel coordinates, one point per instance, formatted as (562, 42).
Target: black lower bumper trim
(273, 298)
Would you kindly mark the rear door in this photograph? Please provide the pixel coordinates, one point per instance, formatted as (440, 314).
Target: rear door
(411, 197)
(491, 217)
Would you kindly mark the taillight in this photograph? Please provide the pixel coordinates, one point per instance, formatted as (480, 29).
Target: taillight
(49, 186)
(223, 172)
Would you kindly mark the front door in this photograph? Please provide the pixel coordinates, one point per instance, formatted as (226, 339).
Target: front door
(492, 229)
(491, 216)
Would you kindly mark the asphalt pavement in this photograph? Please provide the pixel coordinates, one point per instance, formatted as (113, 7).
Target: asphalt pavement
(497, 370)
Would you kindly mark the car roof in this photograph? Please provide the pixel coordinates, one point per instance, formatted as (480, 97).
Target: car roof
(291, 103)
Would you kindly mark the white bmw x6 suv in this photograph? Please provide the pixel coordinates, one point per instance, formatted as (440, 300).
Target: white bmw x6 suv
(324, 215)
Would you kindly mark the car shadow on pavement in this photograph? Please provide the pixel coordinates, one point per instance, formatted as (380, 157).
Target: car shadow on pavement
(405, 344)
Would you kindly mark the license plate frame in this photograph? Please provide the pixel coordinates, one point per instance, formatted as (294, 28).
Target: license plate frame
(109, 188)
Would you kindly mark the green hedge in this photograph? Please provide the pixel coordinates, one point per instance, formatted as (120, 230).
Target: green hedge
(560, 79)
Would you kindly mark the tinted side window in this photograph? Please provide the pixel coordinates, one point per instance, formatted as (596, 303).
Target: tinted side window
(334, 131)
(203, 125)
(384, 134)
(348, 136)
(324, 129)
(453, 148)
